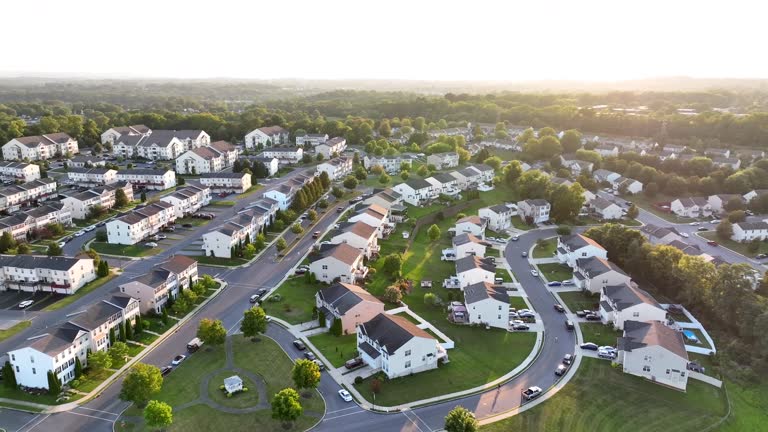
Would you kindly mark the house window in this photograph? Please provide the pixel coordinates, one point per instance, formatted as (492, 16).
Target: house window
(407, 364)
(667, 371)
(407, 353)
(17, 368)
(499, 307)
(34, 372)
(635, 314)
(646, 368)
(13, 357)
(325, 267)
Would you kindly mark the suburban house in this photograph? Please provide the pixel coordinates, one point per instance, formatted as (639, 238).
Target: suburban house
(587, 194)
(284, 155)
(718, 203)
(153, 289)
(594, 273)
(149, 178)
(605, 176)
(397, 347)
(92, 176)
(350, 304)
(390, 164)
(499, 217)
(486, 173)
(386, 198)
(283, 194)
(79, 204)
(628, 185)
(468, 245)
(200, 160)
(140, 223)
(443, 160)
(158, 145)
(749, 196)
(13, 197)
(655, 352)
(271, 163)
(577, 246)
(605, 210)
(577, 167)
(112, 134)
(340, 261)
(221, 242)
(534, 210)
(444, 183)
(19, 171)
(331, 148)
(22, 222)
(474, 225)
(473, 269)
(660, 235)
(692, 207)
(359, 235)
(336, 168)
(375, 216)
(57, 350)
(722, 162)
(468, 177)
(607, 150)
(748, 231)
(32, 273)
(627, 302)
(311, 139)
(717, 152)
(487, 304)
(188, 200)
(86, 161)
(415, 191)
(40, 147)
(227, 182)
(266, 137)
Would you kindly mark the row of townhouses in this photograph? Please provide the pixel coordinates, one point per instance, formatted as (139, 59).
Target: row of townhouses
(78, 204)
(32, 273)
(243, 228)
(420, 191)
(40, 147)
(226, 182)
(140, 223)
(390, 164)
(285, 193)
(19, 172)
(336, 168)
(13, 197)
(617, 181)
(208, 159)
(165, 281)
(188, 200)
(23, 222)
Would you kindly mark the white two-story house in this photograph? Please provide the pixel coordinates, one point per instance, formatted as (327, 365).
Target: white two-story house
(499, 217)
(487, 305)
(188, 200)
(350, 304)
(534, 210)
(627, 302)
(595, 273)
(340, 262)
(748, 231)
(359, 235)
(577, 246)
(472, 269)
(474, 225)
(415, 191)
(655, 352)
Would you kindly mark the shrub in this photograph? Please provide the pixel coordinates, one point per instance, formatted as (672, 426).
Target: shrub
(358, 380)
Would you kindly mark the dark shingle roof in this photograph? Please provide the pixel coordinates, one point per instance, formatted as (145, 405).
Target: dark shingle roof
(483, 291)
(473, 262)
(344, 296)
(342, 252)
(641, 334)
(96, 315)
(58, 340)
(36, 261)
(417, 184)
(595, 266)
(625, 296)
(578, 241)
(391, 331)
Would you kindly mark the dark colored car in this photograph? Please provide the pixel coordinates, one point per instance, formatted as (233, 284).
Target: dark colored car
(580, 314)
(310, 355)
(165, 370)
(712, 243)
(187, 225)
(351, 364)
(589, 346)
(559, 307)
(702, 229)
(561, 370)
(299, 345)
(569, 325)
(592, 317)
(339, 209)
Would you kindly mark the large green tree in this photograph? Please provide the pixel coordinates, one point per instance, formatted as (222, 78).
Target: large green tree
(305, 374)
(254, 322)
(566, 202)
(158, 415)
(286, 406)
(461, 419)
(211, 331)
(141, 383)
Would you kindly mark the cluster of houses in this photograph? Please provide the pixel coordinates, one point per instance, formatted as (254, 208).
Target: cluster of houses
(240, 230)
(286, 192)
(648, 348)
(718, 205)
(420, 191)
(62, 346)
(15, 196)
(274, 142)
(141, 141)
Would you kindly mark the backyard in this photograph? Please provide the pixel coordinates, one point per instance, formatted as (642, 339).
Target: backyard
(555, 271)
(601, 398)
(518, 303)
(545, 248)
(577, 300)
(599, 333)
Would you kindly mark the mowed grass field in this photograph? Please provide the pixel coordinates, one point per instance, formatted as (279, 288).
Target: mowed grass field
(601, 398)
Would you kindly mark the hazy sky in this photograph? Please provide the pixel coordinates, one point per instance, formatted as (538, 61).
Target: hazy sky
(393, 39)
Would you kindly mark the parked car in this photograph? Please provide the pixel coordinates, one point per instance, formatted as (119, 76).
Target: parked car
(589, 346)
(684, 235)
(535, 273)
(712, 243)
(320, 365)
(194, 345)
(161, 236)
(580, 314)
(694, 223)
(254, 298)
(561, 369)
(555, 284)
(150, 244)
(260, 293)
(714, 221)
(79, 233)
(345, 396)
(524, 254)
(169, 229)
(569, 325)
(761, 256)
(223, 195)
(592, 317)
(531, 393)
(316, 234)
(569, 358)
(187, 225)
(515, 238)
(165, 370)
(610, 355)
(61, 244)
(299, 345)
(26, 304)
(559, 307)
(702, 229)
(339, 209)
(355, 362)
(568, 282)
(178, 359)
(300, 271)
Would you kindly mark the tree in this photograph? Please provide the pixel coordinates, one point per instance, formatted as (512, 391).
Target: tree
(533, 184)
(512, 172)
(360, 173)
(119, 352)
(319, 157)
(724, 230)
(249, 251)
(286, 406)
(633, 212)
(461, 419)
(571, 141)
(112, 338)
(737, 216)
(23, 249)
(54, 249)
(9, 375)
(78, 368)
(392, 294)
(141, 383)
(375, 385)
(350, 183)
(305, 374)
(54, 384)
(433, 232)
(336, 328)
(121, 332)
(404, 175)
(337, 192)
(423, 171)
(430, 299)
(651, 189)
(98, 361)
(296, 228)
(384, 178)
(281, 244)
(493, 162)
(393, 265)
(211, 331)
(121, 199)
(158, 414)
(128, 331)
(143, 197)
(254, 322)
(312, 215)
(566, 202)
(139, 326)
(7, 242)
(103, 269)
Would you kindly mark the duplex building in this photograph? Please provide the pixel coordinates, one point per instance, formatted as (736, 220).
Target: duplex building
(284, 155)
(188, 200)
(79, 204)
(391, 164)
(474, 225)
(333, 147)
(443, 160)
(692, 207)
(311, 139)
(628, 185)
(40, 147)
(226, 182)
(396, 346)
(748, 231)
(56, 275)
(465, 245)
(605, 176)
(534, 210)
(594, 273)
(487, 305)
(444, 183)
(340, 262)
(336, 168)
(472, 269)
(13, 197)
(415, 191)
(660, 235)
(283, 194)
(266, 137)
(749, 196)
(112, 134)
(718, 203)
(348, 303)
(200, 160)
(243, 228)
(153, 289)
(499, 217)
(92, 176)
(627, 302)
(359, 235)
(577, 246)
(387, 198)
(148, 178)
(19, 171)
(655, 352)
(375, 216)
(140, 223)
(605, 210)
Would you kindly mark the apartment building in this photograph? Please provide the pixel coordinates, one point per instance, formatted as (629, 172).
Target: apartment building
(266, 137)
(78, 204)
(284, 155)
(112, 134)
(333, 147)
(140, 223)
(153, 289)
(336, 168)
(148, 178)
(40, 147)
(311, 139)
(19, 171)
(159, 144)
(32, 273)
(92, 176)
(391, 164)
(14, 197)
(86, 161)
(226, 182)
(188, 200)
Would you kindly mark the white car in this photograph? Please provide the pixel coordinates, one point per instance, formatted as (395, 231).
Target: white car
(535, 273)
(61, 244)
(151, 244)
(714, 221)
(684, 235)
(345, 396)
(79, 233)
(25, 304)
(694, 224)
(90, 228)
(178, 359)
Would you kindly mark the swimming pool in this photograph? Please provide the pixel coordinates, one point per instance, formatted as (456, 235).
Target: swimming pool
(691, 336)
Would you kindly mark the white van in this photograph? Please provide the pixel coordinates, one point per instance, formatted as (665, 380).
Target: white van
(194, 345)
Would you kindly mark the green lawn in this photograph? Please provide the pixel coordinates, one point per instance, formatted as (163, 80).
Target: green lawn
(504, 274)
(250, 190)
(749, 403)
(91, 380)
(19, 326)
(518, 303)
(90, 286)
(264, 358)
(238, 400)
(577, 300)
(545, 248)
(598, 333)
(519, 224)
(298, 299)
(601, 398)
(491, 252)
(222, 203)
(742, 248)
(156, 324)
(229, 262)
(136, 250)
(337, 349)
(555, 271)
(642, 201)
(190, 220)
(145, 338)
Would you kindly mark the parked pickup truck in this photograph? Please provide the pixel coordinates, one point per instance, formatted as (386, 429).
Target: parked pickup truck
(532, 393)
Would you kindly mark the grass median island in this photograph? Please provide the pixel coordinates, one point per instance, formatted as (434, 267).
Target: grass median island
(11, 331)
(601, 398)
(545, 248)
(250, 190)
(136, 250)
(598, 333)
(228, 262)
(337, 349)
(578, 300)
(297, 300)
(555, 271)
(222, 203)
(192, 221)
(90, 286)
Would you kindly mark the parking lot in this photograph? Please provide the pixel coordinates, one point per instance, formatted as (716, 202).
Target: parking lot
(10, 300)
